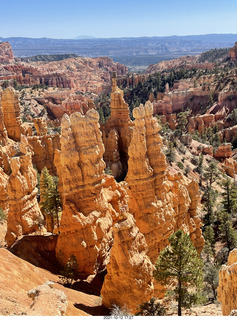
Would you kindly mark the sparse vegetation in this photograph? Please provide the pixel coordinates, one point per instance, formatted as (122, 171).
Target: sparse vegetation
(50, 203)
(68, 273)
(3, 216)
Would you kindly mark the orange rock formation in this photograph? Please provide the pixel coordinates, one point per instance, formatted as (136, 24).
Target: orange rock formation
(92, 201)
(11, 113)
(129, 280)
(228, 284)
(24, 215)
(117, 133)
(97, 225)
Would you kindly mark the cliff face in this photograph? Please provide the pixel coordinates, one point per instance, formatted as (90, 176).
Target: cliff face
(24, 214)
(116, 134)
(11, 113)
(92, 201)
(160, 200)
(129, 279)
(228, 284)
(3, 131)
(43, 147)
(120, 226)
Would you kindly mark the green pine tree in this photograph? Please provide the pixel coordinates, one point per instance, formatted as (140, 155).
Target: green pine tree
(229, 197)
(209, 198)
(211, 173)
(49, 197)
(228, 233)
(180, 267)
(209, 247)
(182, 119)
(211, 279)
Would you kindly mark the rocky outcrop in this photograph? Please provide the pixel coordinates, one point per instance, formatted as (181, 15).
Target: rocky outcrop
(58, 103)
(92, 201)
(6, 53)
(47, 301)
(3, 131)
(11, 113)
(223, 151)
(24, 215)
(228, 284)
(116, 133)
(230, 167)
(129, 279)
(97, 226)
(200, 123)
(160, 199)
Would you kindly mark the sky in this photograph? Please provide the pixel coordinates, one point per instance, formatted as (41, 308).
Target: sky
(68, 19)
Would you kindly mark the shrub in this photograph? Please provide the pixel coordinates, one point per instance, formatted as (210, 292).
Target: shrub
(180, 165)
(68, 273)
(3, 216)
(151, 308)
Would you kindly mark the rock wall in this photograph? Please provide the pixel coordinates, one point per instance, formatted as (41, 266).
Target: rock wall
(117, 133)
(24, 214)
(160, 199)
(11, 113)
(228, 284)
(3, 131)
(129, 279)
(92, 201)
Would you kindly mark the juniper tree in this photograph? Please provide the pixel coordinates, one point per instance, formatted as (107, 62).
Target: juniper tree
(49, 197)
(180, 267)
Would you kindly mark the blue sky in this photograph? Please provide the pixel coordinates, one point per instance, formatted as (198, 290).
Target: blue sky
(116, 18)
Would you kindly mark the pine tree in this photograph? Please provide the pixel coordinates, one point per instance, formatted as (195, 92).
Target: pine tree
(211, 278)
(182, 119)
(229, 197)
(170, 154)
(200, 168)
(228, 233)
(211, 173)
(179, 266)
(209, 247)
(49, 197)
(209, 198)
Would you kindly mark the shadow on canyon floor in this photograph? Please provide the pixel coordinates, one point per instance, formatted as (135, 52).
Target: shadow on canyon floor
(93, 311)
